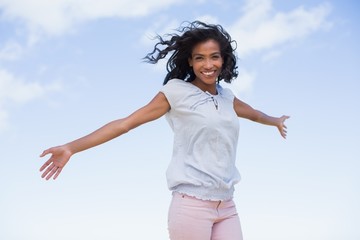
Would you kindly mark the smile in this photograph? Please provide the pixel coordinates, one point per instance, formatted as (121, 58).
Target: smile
(209, 73)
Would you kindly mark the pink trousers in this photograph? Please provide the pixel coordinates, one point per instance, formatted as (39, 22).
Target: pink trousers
(193, 219)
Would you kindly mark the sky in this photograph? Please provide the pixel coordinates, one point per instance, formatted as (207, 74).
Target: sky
(69, 67)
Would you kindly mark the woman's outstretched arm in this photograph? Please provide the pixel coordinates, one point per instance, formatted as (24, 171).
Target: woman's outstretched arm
(246, 111)
(60, 155)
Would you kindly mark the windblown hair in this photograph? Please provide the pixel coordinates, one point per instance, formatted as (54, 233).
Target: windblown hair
(181, 46)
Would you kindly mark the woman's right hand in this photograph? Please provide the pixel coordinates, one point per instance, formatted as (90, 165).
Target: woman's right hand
(59, 157)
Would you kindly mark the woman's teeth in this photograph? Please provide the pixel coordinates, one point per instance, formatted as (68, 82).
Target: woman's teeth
(208, 73)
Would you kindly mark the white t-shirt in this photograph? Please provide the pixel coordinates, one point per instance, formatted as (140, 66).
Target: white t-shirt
(206, 130)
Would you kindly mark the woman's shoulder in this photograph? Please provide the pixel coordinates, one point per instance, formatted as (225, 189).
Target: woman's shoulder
(177, 85)
(226, 92)
(176, 91)
(176, 81)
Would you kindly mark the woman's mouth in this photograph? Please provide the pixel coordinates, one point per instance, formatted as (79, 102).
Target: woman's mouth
(209, 73)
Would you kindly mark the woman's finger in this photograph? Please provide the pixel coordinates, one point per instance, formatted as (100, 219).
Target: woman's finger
(52, 172)
(48, 169)
(45, 152)
(45, 165)
(57, 173)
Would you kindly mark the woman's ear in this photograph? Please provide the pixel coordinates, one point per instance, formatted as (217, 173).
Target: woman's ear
(190, 62)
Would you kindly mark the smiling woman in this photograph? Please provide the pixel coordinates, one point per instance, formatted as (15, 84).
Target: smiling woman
(181, 61)
(204, 118)
(206, 62)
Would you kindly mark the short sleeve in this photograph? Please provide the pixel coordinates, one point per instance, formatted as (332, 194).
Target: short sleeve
(227, 93)
(173, 91)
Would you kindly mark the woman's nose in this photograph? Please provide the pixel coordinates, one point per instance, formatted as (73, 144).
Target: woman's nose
(208, 63)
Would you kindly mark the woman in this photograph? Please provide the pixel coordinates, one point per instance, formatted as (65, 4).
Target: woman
(204, 119)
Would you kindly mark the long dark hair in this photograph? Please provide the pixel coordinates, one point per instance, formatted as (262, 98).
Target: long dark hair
(182, 45)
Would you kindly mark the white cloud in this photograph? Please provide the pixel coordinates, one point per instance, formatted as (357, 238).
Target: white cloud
(271, 55)
(11, 51)
(243, 83)
(163, 25)
(3, 120)
(208, 19)
(14, 90)
(261, 28)
(56, 17)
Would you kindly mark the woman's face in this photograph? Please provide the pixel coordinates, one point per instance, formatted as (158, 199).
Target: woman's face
(206, 62)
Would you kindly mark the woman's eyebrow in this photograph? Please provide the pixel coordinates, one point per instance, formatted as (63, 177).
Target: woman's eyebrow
(199, 54)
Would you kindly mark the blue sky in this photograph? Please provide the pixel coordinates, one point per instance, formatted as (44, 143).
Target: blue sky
(68, 67)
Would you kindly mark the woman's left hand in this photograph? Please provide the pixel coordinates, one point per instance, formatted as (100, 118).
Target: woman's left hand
(281, 126)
